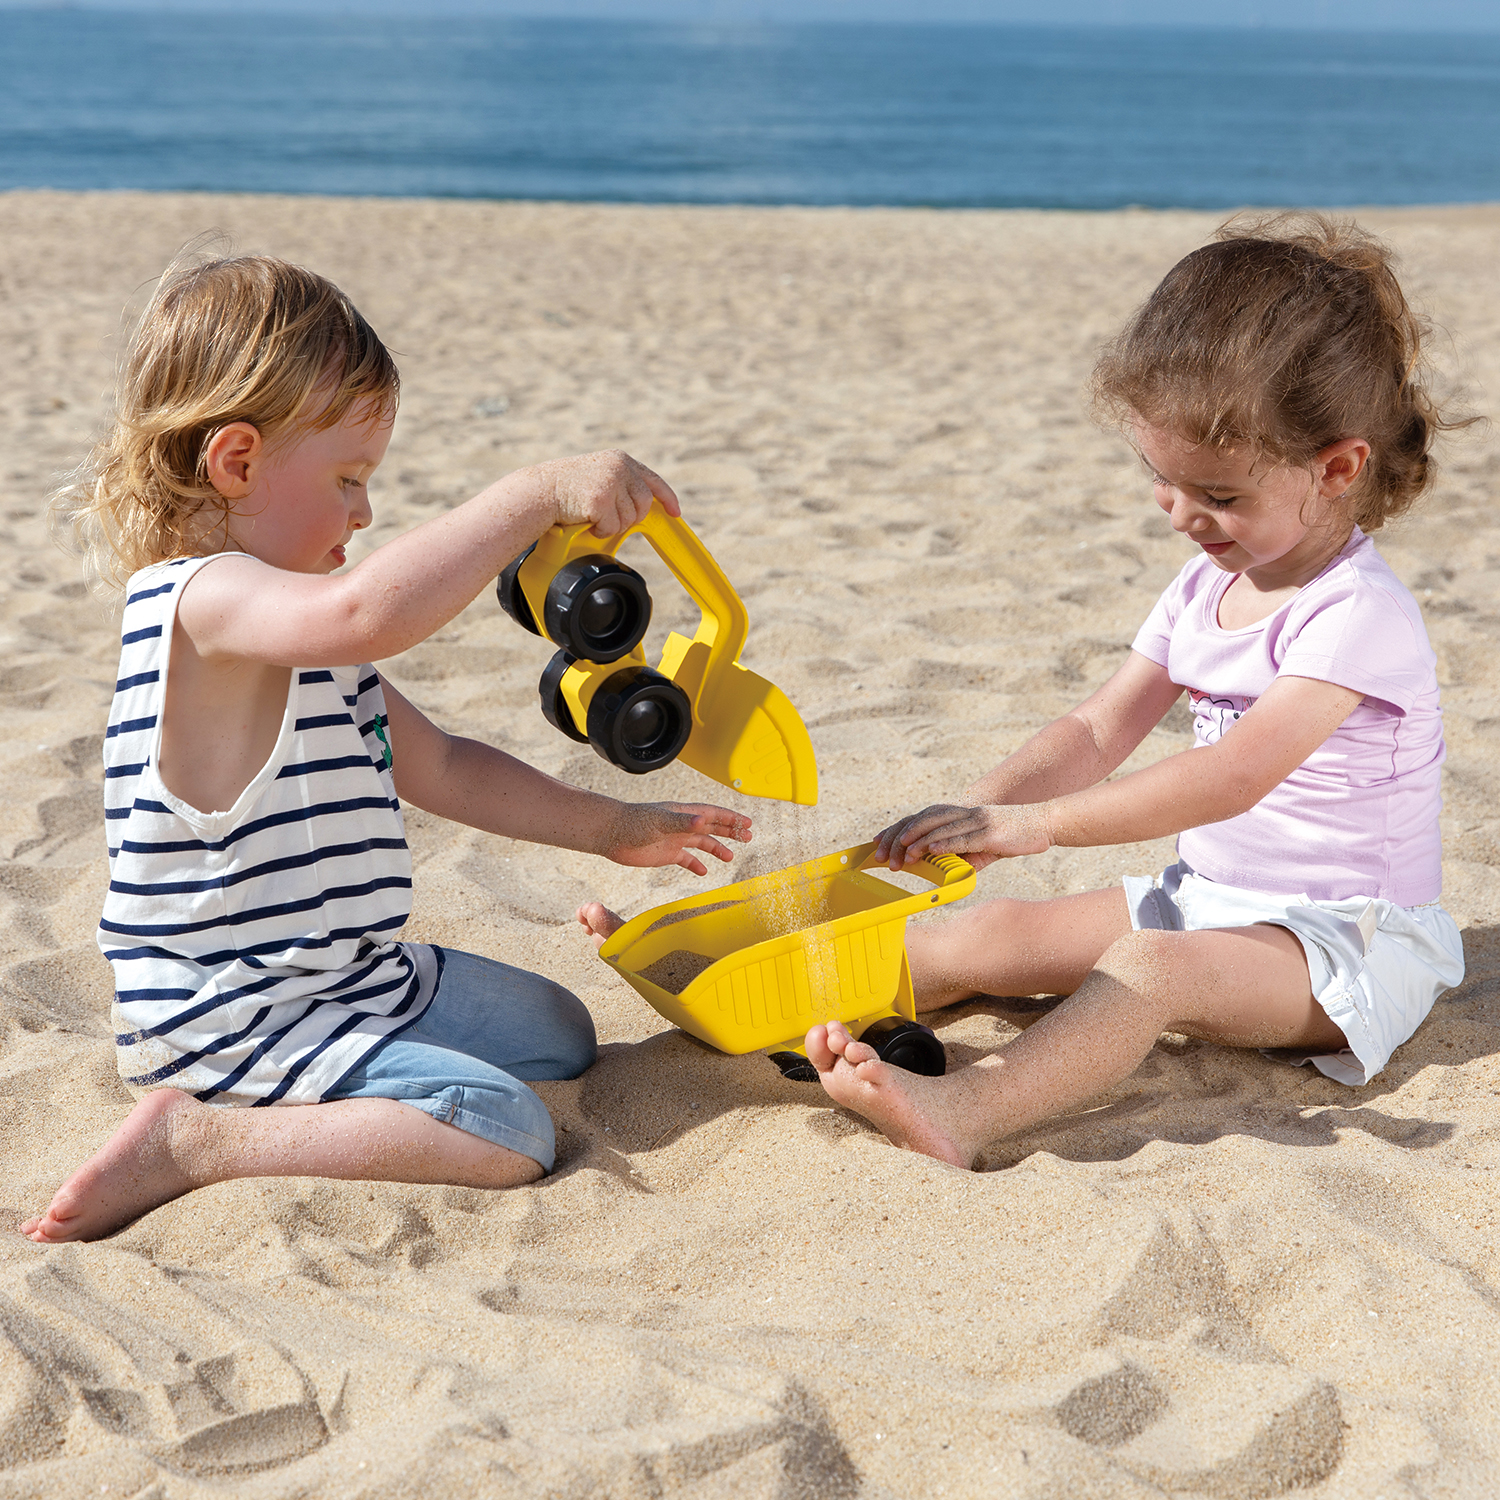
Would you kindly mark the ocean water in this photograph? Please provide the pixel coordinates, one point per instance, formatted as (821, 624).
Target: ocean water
(893, 114)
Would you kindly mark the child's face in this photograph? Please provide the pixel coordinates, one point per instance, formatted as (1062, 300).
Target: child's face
(307, 494)
(1243, 515)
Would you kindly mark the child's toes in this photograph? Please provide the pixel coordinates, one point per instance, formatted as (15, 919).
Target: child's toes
(599, 921)
(838, 1037)
(819, 1054)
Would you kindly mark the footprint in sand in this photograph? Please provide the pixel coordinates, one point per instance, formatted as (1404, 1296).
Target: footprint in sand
(1194, 1401)
(147, 1379)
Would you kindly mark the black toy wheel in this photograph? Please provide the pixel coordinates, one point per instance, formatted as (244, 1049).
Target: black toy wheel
(596, 608)
(795, 1067)
(512, 599)
(908, 1045)
(639, 720)
(554, 706)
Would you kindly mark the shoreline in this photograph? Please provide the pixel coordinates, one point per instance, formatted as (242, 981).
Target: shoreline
(1357, 210)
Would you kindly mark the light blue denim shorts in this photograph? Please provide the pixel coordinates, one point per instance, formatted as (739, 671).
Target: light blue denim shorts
(462, 1061)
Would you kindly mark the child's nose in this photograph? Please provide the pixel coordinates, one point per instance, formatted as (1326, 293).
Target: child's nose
(1184, 514)
(360, 513)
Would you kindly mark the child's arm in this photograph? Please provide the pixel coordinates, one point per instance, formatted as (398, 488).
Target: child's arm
(418, 581)
(1203, 785)
(1085, 745)
(481, 786)
(1072, 752)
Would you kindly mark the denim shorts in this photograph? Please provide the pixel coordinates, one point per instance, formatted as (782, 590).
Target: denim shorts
(462, 1061)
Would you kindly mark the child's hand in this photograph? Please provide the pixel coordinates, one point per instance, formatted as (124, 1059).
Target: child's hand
(610, 491)
(666, 833)
(980, 834)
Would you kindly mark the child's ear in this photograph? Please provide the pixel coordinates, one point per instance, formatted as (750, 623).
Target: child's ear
(1339, 465)
(231, 457)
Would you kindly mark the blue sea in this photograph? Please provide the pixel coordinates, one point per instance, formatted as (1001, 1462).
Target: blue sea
(962, 116)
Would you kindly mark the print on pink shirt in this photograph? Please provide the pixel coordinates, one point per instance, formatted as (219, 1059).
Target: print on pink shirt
(1212, 716)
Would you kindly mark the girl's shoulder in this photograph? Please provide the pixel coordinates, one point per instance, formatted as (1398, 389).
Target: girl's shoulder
(1357, 624)
(1360, 582)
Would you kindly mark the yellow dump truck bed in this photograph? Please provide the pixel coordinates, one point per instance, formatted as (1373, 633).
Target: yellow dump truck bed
(754, 965)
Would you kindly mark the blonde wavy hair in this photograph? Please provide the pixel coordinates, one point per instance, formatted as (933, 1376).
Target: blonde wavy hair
(229, 339)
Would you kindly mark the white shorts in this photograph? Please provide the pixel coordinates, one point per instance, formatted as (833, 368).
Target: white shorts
(1376, 968)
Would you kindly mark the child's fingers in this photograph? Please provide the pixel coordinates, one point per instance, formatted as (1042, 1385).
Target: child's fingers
(887, 842)
(637, 496)
(709, 845)
(613, 515)
(719, 820)
(913, 833)
(658, 489)
(689, 862)
(950, 836)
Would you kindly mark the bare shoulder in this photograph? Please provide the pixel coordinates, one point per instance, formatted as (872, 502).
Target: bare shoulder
(239, 607)
(231, 579)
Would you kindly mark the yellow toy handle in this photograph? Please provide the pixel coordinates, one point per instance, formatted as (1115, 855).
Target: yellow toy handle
(954, 877)
(941, 869)
(677, 544)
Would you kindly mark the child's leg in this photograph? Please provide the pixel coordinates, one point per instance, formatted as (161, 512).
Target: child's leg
(170, 1144)
(439, 1102)
(1011, 947)
(1245, 986)
(524, 1023)
(1001, 948)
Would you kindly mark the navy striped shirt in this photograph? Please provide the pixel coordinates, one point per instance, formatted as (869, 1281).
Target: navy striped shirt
(254, 950)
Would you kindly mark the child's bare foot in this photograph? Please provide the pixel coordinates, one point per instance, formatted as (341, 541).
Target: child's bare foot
(912, 1111)
(599, 922)
(139, 1168)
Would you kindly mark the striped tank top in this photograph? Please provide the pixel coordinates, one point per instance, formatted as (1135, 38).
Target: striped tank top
(254, 950)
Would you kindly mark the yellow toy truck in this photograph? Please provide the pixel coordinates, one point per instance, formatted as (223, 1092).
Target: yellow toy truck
(752, 966)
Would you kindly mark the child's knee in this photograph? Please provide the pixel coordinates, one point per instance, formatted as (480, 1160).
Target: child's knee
(1145, 960)
(574, 1043)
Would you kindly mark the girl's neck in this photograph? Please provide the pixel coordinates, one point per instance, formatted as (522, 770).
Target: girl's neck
(1259, 592)
(1305, 561)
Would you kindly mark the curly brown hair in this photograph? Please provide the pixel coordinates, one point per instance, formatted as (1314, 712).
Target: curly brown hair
(229, 339)
(1285, 334)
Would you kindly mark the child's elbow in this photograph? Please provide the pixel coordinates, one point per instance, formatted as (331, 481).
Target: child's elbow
(362, 621)
(1246, 792)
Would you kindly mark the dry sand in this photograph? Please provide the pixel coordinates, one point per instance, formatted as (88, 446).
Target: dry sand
(1226, 1278)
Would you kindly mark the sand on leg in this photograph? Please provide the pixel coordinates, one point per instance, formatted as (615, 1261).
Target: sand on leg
(1243, 986)
(1010, 947)
(170, 1143)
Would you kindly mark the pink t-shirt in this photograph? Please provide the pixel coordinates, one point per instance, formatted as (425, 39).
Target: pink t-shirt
(1358, 817)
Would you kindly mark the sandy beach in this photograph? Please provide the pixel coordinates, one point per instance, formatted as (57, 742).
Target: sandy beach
(1225, 1278)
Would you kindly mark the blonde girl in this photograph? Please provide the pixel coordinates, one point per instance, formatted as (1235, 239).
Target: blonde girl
(1271, 386)
(256, 766)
